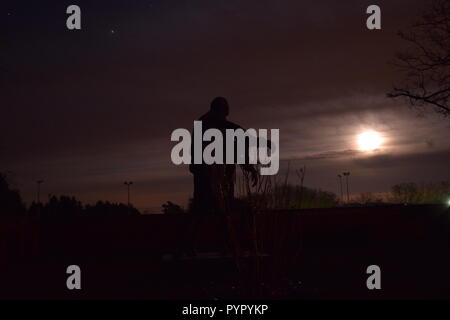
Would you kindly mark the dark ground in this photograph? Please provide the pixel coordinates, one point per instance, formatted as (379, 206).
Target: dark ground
(308, 254)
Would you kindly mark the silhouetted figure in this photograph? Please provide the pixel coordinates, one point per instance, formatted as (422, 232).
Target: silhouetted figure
(214, 184)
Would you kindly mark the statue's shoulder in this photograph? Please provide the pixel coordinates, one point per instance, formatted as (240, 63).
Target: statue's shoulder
(232, 125)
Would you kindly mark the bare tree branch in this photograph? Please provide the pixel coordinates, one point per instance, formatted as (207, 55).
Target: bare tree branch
(426, 62)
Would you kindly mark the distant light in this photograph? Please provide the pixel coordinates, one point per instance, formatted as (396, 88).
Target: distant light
(448, 202)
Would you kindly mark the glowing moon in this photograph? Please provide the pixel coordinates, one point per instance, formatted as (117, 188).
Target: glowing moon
(369, 141)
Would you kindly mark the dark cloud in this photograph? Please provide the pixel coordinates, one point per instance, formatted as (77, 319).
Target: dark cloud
(425, 160)
(331, 155)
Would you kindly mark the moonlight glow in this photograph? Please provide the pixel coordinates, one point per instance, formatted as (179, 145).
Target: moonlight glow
(369, 141)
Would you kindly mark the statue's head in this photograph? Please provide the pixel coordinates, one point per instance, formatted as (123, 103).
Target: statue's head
(219, 108)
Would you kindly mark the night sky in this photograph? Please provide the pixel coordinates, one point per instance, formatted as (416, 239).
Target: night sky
(86, 110)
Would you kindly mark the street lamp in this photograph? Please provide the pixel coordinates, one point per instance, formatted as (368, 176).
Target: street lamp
(346, 174)
(39, 182)
(340, 183)
(128, 184)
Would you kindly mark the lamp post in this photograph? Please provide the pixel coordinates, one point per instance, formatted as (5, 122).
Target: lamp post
(128, 184)
(346, 174)
(39, 182)
(340, 184)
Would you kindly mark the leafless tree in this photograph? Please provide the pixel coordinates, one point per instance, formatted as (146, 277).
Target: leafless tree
(301, 175)
(426, 63)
